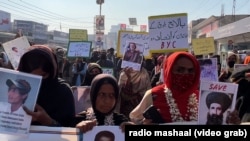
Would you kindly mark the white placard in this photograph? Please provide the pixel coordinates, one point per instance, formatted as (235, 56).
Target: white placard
(15, 49)
(79, 49)
(168, 32)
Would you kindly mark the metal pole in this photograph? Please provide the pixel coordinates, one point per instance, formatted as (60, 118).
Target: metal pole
(100, 9)
(100, 17)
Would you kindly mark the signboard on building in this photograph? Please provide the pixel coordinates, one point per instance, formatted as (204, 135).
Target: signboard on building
(5, 21)
(123, 26)
(143, 28)
(239, 27)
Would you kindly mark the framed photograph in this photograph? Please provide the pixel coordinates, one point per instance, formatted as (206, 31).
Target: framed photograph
(79, 49)
(18, 89)
(217, 99)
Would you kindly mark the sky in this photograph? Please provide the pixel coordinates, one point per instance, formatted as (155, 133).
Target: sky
(63, 15)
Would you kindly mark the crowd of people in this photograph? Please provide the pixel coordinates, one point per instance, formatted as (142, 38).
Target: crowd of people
(170, 82)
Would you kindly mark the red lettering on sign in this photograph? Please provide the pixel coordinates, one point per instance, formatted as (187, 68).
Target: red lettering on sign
(221, 87)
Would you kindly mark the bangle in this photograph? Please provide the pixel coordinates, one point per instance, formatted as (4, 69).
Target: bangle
(54, 123)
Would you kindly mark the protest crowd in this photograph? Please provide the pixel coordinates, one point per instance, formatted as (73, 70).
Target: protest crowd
(169, 82)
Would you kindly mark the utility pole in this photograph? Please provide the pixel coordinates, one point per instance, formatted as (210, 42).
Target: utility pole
(222, 10)
(233, 13)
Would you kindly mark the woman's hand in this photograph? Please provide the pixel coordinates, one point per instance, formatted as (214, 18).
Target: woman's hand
(233, 118)
(127, 71)
(86, 125)
(122, 125)
(39, 115)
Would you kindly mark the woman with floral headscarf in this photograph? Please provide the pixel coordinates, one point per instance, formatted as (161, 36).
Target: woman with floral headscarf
(177, 98)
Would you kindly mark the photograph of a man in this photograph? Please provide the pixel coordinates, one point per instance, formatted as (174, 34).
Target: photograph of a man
(17, 94)
(13, 118)
(217, 103)
(208, 69)
(105, 136)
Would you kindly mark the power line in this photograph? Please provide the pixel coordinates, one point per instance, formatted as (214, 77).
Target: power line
(30, 13)
(210, 9)
(233, 13)
(47, 13)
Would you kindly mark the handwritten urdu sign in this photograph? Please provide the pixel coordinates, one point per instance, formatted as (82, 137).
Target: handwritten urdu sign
(79, 49)
(168, 33)
(78, 35)
(203, 45)
(108, 71)
(132, 36)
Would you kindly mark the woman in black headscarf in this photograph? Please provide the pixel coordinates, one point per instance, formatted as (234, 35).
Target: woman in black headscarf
(55, 102)
(104, 94)
(93, 69)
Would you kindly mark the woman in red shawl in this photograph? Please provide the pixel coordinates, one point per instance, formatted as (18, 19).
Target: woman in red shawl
(177, 98)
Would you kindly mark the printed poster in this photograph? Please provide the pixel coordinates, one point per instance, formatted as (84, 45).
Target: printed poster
(217, 99)
(15, 49)
(17, 90)
(114, 133)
